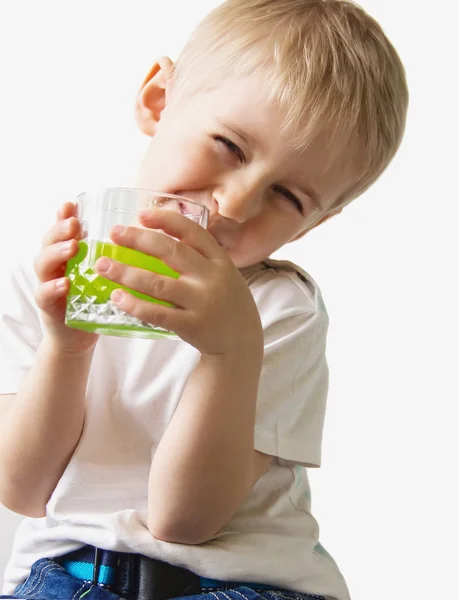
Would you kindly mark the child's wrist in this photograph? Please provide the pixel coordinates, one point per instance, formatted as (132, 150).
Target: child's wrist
(55, 348)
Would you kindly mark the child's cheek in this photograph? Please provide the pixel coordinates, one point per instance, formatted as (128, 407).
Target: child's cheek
(181, 164)
(191, 167)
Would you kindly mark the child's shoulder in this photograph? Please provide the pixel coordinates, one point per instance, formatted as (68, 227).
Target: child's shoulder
(283, 285)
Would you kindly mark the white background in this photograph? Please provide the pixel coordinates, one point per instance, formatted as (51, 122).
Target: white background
(385, 497)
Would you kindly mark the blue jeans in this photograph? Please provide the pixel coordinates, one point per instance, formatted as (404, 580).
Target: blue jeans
(50, 581)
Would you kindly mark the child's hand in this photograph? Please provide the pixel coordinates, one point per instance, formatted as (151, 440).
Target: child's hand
(214, 308)
(59, 245)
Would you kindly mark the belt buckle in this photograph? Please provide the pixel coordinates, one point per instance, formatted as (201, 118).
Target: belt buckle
(158, 580)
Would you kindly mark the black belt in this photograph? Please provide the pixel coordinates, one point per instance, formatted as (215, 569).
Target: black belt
(139, 577)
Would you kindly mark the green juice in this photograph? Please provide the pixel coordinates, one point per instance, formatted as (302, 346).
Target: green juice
(88, 303)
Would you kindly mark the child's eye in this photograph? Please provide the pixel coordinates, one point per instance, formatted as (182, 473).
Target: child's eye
(288, 194)
(231, 146)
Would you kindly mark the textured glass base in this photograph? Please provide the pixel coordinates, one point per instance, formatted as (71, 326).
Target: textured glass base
(108, 319)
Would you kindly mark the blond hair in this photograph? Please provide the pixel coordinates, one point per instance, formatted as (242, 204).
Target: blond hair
(326, 62)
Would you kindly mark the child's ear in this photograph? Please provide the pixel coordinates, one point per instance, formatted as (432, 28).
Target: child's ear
(151, 98)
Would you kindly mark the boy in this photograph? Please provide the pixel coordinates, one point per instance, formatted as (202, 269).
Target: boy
(154, 469)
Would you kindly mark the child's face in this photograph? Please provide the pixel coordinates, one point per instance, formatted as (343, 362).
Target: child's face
(224, 149)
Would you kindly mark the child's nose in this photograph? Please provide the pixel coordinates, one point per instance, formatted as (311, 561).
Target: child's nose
(238, 203)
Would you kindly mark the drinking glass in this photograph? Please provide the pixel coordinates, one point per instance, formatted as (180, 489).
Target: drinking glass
(88, 303)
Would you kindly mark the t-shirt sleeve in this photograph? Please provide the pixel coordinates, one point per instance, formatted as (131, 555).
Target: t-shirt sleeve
(20, 328)
(294, 381)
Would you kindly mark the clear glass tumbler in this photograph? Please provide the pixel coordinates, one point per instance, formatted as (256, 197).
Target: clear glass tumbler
(88, 303)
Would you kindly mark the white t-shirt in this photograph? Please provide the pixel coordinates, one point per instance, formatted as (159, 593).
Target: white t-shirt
(133, 390)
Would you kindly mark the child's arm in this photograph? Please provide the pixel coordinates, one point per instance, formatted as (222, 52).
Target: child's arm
(42, 426)
(41, 429)
(206, 464)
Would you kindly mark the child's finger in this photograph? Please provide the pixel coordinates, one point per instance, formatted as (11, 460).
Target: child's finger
(167, 317)
(177, 256)
(52, 258)
(176, 291)
(61, 231)
(68, 209)
(50, 292)
(184, 229)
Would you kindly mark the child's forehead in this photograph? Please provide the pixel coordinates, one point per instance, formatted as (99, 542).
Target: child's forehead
(239, 92)
(244, 102)
(245, 106)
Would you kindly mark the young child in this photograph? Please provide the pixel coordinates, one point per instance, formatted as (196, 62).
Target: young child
(162, 469)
